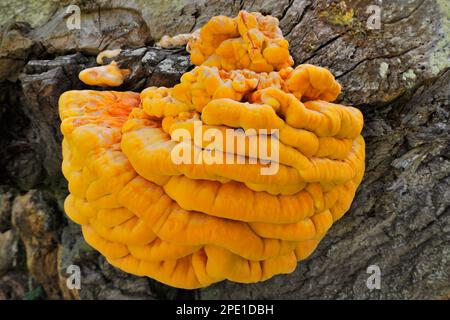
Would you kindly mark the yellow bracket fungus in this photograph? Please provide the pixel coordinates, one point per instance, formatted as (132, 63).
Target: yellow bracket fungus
(249, 41)
(104, 76)
(107, 54)
(191, 224)
(175, 41)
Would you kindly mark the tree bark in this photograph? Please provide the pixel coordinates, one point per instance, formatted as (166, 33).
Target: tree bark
(398, 76)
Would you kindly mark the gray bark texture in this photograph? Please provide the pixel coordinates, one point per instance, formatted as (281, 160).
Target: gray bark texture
(398, 76)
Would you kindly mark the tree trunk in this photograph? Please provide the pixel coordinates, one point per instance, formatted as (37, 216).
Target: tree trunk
(397, 75)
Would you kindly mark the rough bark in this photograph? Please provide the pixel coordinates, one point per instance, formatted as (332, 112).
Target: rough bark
(398, 76)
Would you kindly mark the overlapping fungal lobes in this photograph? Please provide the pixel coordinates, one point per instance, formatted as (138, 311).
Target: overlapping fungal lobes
(249, 41)
(193, 224)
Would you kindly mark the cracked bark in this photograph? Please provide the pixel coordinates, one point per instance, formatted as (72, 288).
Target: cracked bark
(398, 76)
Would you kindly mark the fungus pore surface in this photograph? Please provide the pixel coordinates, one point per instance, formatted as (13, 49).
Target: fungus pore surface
(191, 224)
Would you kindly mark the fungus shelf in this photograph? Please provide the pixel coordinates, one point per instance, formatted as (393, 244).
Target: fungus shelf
(190, 225)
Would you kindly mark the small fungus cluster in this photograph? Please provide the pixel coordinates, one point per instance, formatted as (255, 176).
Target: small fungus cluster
(190, 225)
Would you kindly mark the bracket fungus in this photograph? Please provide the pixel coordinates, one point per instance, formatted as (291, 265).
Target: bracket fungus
(104, 76)
(249, 41)
(192, 224)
